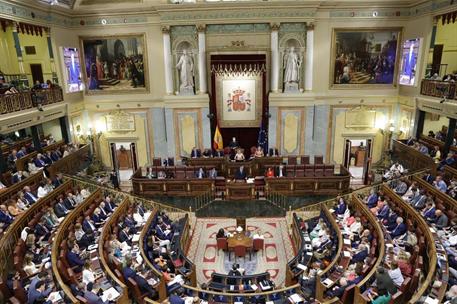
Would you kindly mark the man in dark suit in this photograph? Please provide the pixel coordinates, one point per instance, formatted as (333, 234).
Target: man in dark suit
(124, 236)
(39, 162)
(195, 153)
(361, 254)
(92, 297)
(60, 209)
(240, 173)
(219, 153)
(38, 294)
(441, 220)
(47, 158)
(129, 272)
(5, 216)
(281, 171)
(58, 180)
(338, 291)
(29, 196)
(18, 177)
(74, 259)
(114, 179)
(177, 297)
(399, 229)
(55, 155)
(89, 226)
(234, 271)
(273, 152)
(21, 153)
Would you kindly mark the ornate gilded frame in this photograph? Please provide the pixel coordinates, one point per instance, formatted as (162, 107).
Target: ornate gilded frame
(144, 90)
(258, 100)
(394, 83)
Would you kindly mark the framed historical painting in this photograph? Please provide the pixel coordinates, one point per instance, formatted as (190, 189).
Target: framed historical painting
(115, 64)
(364, 58)
(239, 100)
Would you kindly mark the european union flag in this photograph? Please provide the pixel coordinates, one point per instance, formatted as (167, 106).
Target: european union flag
(262, 140)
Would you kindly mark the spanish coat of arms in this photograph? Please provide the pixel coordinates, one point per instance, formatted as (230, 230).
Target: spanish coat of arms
(238, 101)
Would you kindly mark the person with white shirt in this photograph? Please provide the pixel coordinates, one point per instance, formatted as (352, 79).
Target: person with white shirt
(88, 275)
(395, 274)
(42, 191)
(25, 233)
(258, 235)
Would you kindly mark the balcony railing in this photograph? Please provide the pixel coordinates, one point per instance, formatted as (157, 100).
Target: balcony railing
(438, 89)
(10, 103)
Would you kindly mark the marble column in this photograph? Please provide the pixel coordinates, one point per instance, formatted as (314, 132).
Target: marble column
(51, 56)
(20, 60)
(274, 56)
(309, 57)
(202, 58)
(167, 60)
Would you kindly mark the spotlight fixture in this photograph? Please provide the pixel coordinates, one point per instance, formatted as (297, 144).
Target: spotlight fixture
(375, 13)
(103, 21)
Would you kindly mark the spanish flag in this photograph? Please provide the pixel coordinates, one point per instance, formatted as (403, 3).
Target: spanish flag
(217, 141)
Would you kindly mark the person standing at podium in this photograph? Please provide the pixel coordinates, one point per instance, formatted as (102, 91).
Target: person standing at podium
(240, 173)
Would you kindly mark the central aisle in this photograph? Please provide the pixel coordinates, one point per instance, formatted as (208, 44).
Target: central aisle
(278, 248)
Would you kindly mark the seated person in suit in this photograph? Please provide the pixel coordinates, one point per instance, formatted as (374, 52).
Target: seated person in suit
(399, 229)
(75, 259)
(60, 209)
(281, 171)
(212, 173)
(273, 152)
(130, 271)
(240, 173)
(92, 297)
(200, 173)
(124, 236)
(234, 271)
(218, 153)
(441, 219)
(177, 297)
(18, 177)
(29, 196)
(195, 153)
(150, 173)
(233, 144)
(39, 161)
(207, 153)
(38, 294)
(338, 291)
(360, 254)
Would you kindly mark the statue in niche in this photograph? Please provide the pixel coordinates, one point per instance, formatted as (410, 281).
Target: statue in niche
(185, 67)
(292, 62)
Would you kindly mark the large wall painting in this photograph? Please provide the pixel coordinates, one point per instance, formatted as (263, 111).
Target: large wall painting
(115, 64)
(363, 58)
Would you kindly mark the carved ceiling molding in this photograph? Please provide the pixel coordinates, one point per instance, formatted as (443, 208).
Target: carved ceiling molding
(41, 14)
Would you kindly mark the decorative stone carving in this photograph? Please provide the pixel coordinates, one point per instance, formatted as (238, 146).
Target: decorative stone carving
(120, 121)
(185, 67)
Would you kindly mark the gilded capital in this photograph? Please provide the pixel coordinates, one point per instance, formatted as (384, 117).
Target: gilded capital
(166, 29)
(310, 26)
(201, 28)
(274, 26)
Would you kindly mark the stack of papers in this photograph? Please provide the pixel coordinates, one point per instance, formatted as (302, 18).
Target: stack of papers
(110, 294)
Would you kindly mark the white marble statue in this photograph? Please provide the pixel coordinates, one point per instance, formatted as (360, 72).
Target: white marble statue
(292, 64)
(185, 67)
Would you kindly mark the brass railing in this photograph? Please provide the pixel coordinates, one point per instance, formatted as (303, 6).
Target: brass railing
(10, 103)
(438, 89)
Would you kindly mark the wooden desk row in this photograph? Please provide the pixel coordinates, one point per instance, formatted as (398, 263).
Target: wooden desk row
(411, 158)
(69, 164)
(431, 142)
(22, 163)
(430, 260)
(294, 186)
(13, 233)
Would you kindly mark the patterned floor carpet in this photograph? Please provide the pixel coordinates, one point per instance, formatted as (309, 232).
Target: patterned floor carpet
(278, 248)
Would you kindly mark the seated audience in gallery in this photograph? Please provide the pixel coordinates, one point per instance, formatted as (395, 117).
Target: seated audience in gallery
(273, 152)
(281, 171)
